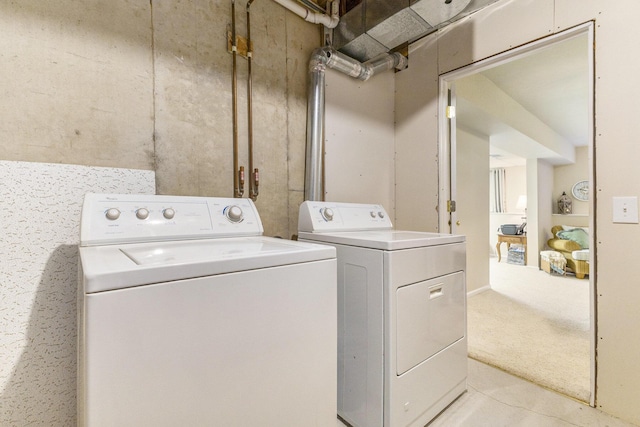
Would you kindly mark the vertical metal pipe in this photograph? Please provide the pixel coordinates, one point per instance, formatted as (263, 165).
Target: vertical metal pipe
(253, 174)
(237, 173)
(314, 179)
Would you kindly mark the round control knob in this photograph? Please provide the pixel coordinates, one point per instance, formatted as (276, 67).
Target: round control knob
(112, 214)
(327, 214)
(234, 213)
(381, 214)
(168, 213)
(142, 213)
(373, 214)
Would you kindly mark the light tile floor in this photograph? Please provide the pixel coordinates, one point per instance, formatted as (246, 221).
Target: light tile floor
(497, 399)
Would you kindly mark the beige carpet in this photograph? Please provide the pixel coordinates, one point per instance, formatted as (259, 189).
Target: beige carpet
(535, 326)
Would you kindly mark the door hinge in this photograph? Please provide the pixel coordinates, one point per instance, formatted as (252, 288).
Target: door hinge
(451, 112)
(451, 205)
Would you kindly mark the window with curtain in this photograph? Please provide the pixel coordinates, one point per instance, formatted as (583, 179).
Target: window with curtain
(497, 200)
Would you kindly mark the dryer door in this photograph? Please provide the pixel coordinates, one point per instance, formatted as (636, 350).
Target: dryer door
(430, 316)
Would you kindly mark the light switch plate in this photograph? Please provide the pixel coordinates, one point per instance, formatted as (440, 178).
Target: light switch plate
(625, 210)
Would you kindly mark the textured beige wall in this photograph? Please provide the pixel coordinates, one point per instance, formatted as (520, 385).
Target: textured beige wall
(416, 139)
(147, 85)
(511, 23)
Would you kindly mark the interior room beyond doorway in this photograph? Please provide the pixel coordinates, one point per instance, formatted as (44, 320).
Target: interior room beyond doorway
(508, 105)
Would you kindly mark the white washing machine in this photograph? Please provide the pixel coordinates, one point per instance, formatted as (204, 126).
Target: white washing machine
(402, 344)
(188, 316)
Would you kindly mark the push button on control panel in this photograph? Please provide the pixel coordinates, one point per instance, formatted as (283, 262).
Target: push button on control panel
(168, 213)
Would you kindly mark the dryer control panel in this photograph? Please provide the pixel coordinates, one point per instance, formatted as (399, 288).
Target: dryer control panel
(125, 218)
(334, 216)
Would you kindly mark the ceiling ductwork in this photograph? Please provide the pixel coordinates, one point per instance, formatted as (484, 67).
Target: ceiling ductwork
(378, 26)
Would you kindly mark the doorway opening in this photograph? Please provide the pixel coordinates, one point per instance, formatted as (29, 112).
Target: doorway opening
(531, 109)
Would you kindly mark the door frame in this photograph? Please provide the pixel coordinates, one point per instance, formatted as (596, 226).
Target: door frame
(447, 144)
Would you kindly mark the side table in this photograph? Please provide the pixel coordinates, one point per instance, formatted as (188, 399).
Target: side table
(509, 239)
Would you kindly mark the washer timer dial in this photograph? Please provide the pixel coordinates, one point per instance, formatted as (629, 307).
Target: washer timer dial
(112, 214)
(233, 213)
(327, 214)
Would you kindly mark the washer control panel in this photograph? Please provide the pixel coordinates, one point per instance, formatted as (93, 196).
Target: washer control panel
(125, 218)
(334, 216)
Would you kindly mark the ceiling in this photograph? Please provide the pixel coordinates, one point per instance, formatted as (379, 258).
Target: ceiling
(552, 84)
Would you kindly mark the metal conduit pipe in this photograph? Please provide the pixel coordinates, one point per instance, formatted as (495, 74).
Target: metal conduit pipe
(322, 58)
(329, 21)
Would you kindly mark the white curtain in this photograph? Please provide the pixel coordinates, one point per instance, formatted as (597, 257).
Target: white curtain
(496, 190)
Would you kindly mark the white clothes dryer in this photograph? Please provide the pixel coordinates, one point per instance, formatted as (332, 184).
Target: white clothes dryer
(189, 316)
(402, 344)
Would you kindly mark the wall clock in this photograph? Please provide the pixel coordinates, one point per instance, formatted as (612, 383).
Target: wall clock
(580, 190)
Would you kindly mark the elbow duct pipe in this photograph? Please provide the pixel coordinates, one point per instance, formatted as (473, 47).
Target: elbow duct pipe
(321, 59)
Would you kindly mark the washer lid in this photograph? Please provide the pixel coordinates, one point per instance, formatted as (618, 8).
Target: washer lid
(122, 266)
(384, 239)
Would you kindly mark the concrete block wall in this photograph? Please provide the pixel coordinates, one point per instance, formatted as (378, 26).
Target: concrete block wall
(147, 85)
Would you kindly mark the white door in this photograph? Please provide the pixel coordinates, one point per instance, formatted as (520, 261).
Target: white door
(466, 186)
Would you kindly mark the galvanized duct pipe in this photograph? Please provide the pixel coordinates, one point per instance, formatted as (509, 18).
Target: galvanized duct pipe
(321, 59)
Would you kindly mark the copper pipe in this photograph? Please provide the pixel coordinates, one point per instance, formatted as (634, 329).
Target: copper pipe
(238, 190)
(256, 183)
(253, 174)
(240, 181)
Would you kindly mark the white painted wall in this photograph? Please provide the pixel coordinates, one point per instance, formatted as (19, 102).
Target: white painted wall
(502, 26)
(540, 191)
(359, 149)
(473, 205)
(515, 186)
(566, 176)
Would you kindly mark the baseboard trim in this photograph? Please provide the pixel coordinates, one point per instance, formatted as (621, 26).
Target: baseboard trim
(478, 291)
